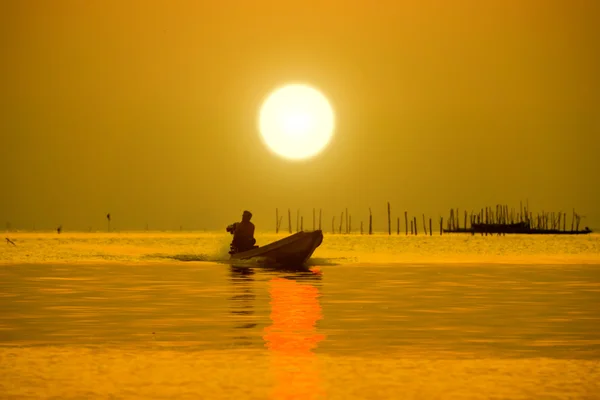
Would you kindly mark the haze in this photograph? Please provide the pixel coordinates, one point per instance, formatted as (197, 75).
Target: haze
(148, 110)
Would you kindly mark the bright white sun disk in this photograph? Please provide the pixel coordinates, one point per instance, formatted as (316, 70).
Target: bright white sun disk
(296, 121)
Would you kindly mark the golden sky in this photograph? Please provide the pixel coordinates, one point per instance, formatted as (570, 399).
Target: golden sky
(148, 109)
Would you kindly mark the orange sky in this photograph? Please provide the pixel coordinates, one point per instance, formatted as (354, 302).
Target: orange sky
(148, 110)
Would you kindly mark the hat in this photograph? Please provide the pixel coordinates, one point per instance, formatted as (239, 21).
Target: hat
(248, 213)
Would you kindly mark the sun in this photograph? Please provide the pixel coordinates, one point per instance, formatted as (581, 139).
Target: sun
(296, 121)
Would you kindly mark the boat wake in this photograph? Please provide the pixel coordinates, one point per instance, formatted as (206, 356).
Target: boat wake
(322, 262)
(224, 259)
(186, 257)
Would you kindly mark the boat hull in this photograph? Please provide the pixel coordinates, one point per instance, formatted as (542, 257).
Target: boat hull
(293, 250)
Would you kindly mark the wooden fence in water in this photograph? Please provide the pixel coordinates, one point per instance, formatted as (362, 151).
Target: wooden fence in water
(489, 220)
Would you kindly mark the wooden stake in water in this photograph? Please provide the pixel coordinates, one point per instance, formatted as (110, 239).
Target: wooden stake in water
(289, 221)
(424, 225)
(521, 212)
(347, 221)
(276, 220)
(430, 228)
(370, 222)
(415, 219)
(441, 226)
(389, 220)
(398, 226)
(406, 222)
(341, 222)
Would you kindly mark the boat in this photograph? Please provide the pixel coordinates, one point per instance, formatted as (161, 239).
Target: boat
(293, 250)
(516, 228)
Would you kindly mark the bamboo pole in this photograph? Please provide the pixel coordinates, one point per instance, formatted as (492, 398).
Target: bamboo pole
(542, 223)
(424, 225)
(389, 219)
(370, 222)
(430, 228)
(341, 222)
(406, 222)
(521, 211)
(276, 220)
(415, 219)
(441, 226)
(487, 215)
(398, 226)
(289, 220)
(347, 230)
(531, 217)
(411, 227)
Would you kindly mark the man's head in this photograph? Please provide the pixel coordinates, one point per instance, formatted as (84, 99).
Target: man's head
(246, 216)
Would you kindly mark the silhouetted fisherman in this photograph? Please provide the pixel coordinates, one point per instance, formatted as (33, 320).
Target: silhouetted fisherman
(243, 234)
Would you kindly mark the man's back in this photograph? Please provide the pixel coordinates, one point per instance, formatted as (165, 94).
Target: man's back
(243, 236)
(244, 229)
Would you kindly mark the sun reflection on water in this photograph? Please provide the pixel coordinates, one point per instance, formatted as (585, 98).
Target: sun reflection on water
(292, 338)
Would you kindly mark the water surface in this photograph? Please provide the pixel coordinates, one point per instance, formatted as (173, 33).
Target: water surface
(120, 316)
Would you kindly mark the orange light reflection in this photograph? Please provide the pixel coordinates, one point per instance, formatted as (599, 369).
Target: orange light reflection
(292, 337)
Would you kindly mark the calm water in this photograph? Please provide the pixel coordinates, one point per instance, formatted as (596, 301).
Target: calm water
(161, 315)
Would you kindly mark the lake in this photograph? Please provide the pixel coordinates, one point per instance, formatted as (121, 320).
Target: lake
(165, 315)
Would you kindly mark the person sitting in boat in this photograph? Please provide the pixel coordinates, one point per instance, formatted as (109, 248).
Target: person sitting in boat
(243, 234)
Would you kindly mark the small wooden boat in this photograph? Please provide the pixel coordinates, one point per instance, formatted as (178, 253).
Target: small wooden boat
(293, 250)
